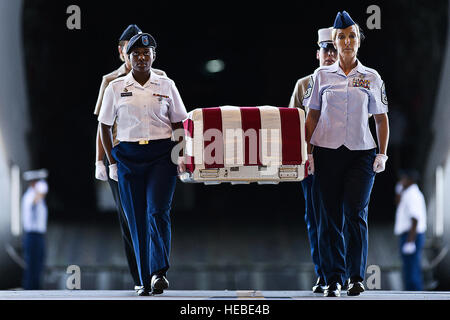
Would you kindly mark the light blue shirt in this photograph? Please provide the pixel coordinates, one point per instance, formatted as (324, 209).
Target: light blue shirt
(34, 215)
(345, 102)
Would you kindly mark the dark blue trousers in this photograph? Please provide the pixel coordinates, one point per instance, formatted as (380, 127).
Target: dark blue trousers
(34, 256)
(311, 207)
(344, 180)
(147, 179)
(412, 270)
(125, 230)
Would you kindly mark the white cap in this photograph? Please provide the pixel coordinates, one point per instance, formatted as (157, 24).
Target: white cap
(325, 35)
(35, 174)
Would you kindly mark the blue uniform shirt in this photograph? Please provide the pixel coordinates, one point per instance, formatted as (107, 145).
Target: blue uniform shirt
(345, 102)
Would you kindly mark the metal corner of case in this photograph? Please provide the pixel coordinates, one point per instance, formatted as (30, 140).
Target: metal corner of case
(211, 182)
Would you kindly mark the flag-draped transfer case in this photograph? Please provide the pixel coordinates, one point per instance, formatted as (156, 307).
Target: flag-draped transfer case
(264, 144)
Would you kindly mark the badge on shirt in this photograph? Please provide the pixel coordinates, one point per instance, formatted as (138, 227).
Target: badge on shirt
(160, 96)
(383, 94)
(126, 94)
(357, 82)
(309, 88)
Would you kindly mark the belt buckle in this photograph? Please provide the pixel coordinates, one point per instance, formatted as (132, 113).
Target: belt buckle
(143, 141)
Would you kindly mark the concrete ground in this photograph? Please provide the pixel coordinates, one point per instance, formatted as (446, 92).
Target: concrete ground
(215, 295)
(221, 256)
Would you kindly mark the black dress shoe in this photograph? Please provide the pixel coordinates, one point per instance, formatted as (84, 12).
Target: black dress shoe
(333, 290)
(319, 286)
(355, 288)
(345, 286)
(159, 283)
(143, 291)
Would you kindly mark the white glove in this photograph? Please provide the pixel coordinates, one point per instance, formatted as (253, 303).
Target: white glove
(398, 188)
(409, 248)
(181, 166)
(311, 164)
(380, 163)
(100, 171)
(113, 172)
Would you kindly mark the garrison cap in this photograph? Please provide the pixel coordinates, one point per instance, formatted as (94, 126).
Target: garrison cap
(33, 175)
(343, 20)
(129, 32)
(141, 40)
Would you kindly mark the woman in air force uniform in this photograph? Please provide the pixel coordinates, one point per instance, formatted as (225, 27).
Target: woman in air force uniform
(146, 107)
(344, 155)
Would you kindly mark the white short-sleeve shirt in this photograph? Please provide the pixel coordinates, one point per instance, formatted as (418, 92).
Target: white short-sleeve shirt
(345, 102)
(34, 215)
(411, 205)
(142, 112)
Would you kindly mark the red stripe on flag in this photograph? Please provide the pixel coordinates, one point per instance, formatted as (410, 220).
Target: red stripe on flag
(291, 136)
(212, 119)
(251, 125)
(188, 125)
(189, 163)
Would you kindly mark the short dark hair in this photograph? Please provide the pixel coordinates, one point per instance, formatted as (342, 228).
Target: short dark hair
(410, 173)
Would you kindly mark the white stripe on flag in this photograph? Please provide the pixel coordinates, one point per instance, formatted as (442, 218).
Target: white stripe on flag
(270, 136)
(197, 118)
(232, 136)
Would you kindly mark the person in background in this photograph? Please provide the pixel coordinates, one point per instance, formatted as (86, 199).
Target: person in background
(326, 54)
(101, 164)
(34, 223)
(410, 226)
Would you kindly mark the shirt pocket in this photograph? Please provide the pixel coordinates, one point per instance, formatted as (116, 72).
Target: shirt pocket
(129, 113)
(334, 99)
(359, 101)
(160, 105)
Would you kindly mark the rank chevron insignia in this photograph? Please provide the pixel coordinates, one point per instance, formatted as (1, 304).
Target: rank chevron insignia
(383, 94)
(309, 88)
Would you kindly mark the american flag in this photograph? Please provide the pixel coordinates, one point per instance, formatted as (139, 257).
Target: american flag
(231, 136)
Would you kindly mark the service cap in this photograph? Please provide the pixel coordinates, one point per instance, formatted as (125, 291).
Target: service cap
(325, 37)
(129, 32)
(141, 40)
(32, 175)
